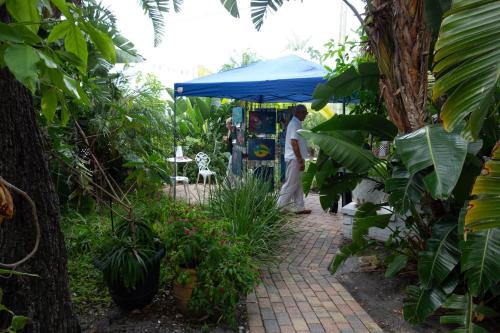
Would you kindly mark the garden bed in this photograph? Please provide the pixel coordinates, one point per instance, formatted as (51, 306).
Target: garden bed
(159, 316)
(381, 297)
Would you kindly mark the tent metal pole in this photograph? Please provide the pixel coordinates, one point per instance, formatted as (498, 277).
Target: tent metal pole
(343, 106)
(174, 183)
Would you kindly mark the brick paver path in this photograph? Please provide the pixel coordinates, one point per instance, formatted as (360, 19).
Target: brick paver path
(299, 294)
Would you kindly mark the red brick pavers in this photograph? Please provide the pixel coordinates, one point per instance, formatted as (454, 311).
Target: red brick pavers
(299, 294)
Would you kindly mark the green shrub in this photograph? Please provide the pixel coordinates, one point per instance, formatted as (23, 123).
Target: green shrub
(252, 214)
(225, 269)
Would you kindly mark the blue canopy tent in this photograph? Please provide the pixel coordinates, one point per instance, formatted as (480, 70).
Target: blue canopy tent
(287, 79)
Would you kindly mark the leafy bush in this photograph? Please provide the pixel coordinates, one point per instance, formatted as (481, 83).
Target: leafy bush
(252, 214)
(225, 269)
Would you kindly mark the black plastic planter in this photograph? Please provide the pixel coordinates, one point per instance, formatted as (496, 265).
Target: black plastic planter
(143, 294)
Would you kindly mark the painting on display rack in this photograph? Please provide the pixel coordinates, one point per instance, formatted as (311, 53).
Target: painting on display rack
(237, 115)
(261, 149)
(263, 122)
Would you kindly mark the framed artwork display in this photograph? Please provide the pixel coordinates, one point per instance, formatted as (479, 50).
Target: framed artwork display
(262, 122)
(261, 149)
(237, 115)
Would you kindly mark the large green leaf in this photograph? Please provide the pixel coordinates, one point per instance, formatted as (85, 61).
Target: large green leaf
(231, 6)
(342, 151)
(376, 125)
(204, 106)
(463, 314)
(396, 265)
(102, 41)
(367, 217)
(405, 190)
(440, 256)
(433, 146)
(18, 34)
(75, 42)
(483, 212)
(480, 261)
(260, 8)
(467, 60)
(421, 303)
(308, 177)
(59, 31)
(25, 11)
(335, 185)
(472, 167)
(49, 103)
(346, 84)
(21, 60)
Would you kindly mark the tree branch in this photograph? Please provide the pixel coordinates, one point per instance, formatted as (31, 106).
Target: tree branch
(356, 13)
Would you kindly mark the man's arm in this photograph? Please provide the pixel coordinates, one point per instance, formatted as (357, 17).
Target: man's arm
(296, 151)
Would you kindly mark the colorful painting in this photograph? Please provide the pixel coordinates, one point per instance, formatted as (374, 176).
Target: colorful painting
(237, 115)
(262, 122)
(261, 149)
(236, 162)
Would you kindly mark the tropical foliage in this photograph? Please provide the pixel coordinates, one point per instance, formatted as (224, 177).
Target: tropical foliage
(445, 129)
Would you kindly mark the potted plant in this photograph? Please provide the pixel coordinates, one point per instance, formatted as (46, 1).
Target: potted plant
(130, 263)
(185, 246)
(213, 270)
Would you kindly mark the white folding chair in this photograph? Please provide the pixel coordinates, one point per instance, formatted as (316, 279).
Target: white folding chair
(180, 179)
(202, 160)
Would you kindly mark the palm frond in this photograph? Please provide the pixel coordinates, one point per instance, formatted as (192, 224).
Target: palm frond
(154, 10)
(177, 5)
(231, 6)
(260, 8)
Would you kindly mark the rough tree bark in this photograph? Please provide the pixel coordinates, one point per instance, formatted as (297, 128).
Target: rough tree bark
(45, 300)
(400, 42)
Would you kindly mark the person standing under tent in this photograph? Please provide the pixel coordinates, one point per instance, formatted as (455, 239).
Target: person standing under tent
(229, 140)
(295, 154)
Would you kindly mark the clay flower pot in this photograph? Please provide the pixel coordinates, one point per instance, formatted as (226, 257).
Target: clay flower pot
(184, 291)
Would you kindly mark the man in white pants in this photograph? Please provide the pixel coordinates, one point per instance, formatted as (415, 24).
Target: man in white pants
(295, 153)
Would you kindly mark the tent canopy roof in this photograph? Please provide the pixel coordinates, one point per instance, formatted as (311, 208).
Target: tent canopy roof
(285, 79)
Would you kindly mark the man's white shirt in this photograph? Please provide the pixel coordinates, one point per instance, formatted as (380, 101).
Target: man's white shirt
(291, 133)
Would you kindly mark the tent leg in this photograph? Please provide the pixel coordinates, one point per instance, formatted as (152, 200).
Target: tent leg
(175, 145)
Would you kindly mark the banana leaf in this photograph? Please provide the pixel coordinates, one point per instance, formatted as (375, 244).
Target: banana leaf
(479, 260)
(396, 265)
(467, 62)
(484, 211)
(335, 185)
(342, 150)
(404, 190)
(373, 124)
(440, 256)
(433, 146)
(421, 303)
(464, 312)
(346, 84)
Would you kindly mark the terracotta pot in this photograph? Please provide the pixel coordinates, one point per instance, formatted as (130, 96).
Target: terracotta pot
(183, 292)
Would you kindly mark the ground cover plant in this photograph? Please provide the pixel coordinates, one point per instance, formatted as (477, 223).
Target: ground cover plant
(250, 209)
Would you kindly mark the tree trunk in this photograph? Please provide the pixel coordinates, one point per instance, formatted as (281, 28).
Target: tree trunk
(45, 300)
(400, 41)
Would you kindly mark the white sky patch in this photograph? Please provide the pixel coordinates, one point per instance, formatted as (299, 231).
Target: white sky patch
(205, 34)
